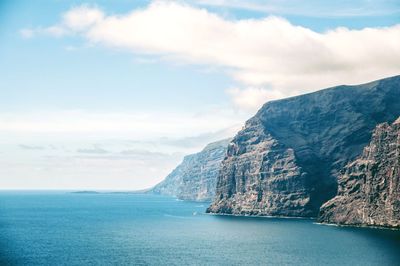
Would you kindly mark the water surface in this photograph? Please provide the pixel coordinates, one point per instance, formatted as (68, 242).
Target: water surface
(60, 228)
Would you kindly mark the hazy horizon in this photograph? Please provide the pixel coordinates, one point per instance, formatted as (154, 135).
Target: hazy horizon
(99, 95)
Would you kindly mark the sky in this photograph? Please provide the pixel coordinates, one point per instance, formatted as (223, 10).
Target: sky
(112, 94)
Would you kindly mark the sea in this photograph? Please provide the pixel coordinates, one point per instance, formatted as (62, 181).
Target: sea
(64, 228)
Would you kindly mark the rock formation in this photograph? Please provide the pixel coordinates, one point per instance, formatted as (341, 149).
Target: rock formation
(369, 187)
(286, 160)
(196, 177)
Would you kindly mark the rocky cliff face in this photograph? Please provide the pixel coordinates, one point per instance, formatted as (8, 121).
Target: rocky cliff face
(196, 177)
(287, 158)
(369, 187)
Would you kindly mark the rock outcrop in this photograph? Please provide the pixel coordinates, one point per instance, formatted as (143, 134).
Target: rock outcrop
(286, 160)
(369, 187)
(196, 177)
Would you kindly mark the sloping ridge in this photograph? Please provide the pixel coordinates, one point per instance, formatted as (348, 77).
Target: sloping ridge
(286, 160)
(196, 177)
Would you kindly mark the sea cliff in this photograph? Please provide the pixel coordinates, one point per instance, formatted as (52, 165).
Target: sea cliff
(287, 159)
(369, 187)
(196, 177)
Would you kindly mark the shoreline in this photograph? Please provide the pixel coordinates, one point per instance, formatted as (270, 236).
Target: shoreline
(306, 218)
(360, 226)
(261, 216)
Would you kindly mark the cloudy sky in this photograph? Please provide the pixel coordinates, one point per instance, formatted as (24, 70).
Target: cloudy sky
(112, 94)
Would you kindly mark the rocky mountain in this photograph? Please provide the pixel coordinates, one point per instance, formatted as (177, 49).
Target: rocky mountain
(286, 160)
(369, 187)
(196, 177)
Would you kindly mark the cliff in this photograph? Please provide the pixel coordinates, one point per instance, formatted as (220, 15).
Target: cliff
(286, 160)
(369, 187)
(196, 177)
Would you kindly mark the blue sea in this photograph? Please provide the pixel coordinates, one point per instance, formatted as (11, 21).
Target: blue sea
(62, 228)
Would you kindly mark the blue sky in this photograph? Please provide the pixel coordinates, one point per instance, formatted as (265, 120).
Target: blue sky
(41, 73)
(97, 94)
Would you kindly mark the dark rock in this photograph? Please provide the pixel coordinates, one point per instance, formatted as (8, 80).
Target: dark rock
(196, 177)
(287, 158)
(369, 187)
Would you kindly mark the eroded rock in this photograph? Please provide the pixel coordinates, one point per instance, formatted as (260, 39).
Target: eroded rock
(287, 158)
(369, 187)
(196, 177)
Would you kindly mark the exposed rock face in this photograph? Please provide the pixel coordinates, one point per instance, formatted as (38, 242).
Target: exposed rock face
(287, 158)
(196, 177)
(260, 176)
(369, 187)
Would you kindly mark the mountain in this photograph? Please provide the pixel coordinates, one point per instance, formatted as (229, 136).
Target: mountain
(369, 187)
(286, 160)
(196, 177)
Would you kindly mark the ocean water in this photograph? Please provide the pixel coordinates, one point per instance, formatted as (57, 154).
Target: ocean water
(61, 228)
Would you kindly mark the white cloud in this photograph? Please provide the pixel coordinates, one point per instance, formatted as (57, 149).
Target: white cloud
(135, 125)
(31, 147)
(43, 170)
(312, 8)
(252, 98)
(54, 31)
(270, 58)
(85, 150)
(96, 149)
(27, 33)
(264, 53)
(82, 17)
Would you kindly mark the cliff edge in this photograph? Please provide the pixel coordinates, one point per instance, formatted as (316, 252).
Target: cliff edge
(286, 160)
(196, 177)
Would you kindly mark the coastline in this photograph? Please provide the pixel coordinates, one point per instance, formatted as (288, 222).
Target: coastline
(360, 226)
(261, 216)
